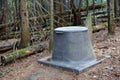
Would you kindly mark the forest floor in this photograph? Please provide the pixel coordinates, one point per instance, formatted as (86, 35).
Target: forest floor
(29, 69)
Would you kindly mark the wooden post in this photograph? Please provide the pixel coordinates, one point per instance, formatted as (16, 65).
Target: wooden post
(52, 26)
(111, 24)
(24, 23)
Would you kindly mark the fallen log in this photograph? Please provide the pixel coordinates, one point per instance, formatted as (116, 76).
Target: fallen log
(97, 13)
(91, 7)
(4, 49)
(8, 44)
(98, 28)
(21, 53)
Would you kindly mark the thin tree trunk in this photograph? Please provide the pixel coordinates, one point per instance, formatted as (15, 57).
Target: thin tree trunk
(111, 23)
(51, 25)
(87, 4)
(4, 7)
(76, 12)
(0, 11)
(62, 11)
(4, 16)
(117, 8)
(94, 22)
(25, 34)
(73, 7)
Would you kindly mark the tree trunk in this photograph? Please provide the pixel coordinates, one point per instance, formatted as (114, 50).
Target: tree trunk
(119, 7)
(4, 11)
(0, 11)
(94, 22)
(88, 24)
(62, 11)
(116, 8)
(111, 23)
(52, 26)
(3, 19)
(87, 4)
(24, 23)
(76, 12)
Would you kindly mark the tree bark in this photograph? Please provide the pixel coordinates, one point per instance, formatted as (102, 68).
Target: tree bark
(62, 11)
(52, 26)
(25, 34)
(3, 19)
(111, 16)
(94, 21)
(117, 8)
(0, 11)
(76, 11)
(4, 11)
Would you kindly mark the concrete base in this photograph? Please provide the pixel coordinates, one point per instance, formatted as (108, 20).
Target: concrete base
(76, 67)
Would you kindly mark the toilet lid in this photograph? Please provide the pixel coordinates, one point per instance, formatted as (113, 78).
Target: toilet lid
(71, 29)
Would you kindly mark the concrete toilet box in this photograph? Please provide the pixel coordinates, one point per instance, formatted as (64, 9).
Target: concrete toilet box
(72, 49)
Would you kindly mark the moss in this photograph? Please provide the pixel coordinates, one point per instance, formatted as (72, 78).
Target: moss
(23, 51)
(14, 54)
(18, 52)
(105, 23)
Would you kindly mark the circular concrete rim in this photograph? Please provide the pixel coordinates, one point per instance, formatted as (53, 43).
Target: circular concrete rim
(71, 29)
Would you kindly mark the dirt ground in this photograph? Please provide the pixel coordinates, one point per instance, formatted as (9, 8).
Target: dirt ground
(29, 69)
